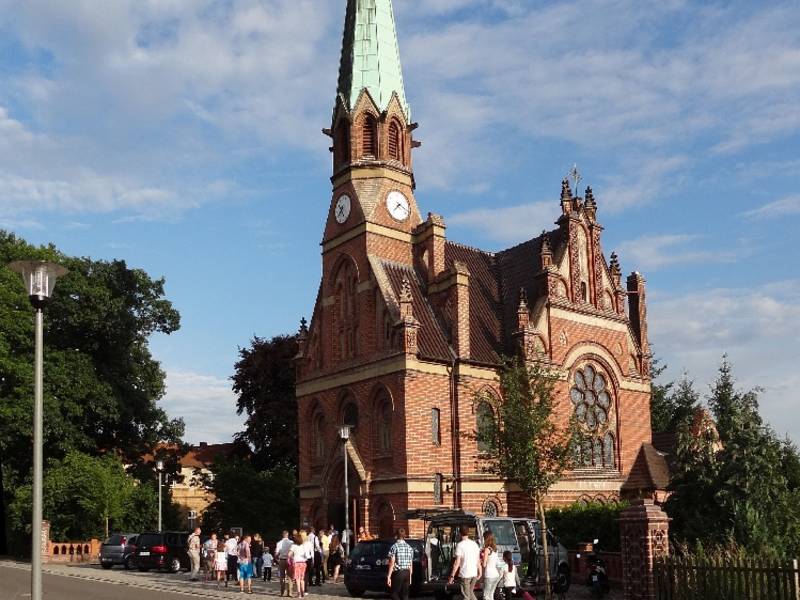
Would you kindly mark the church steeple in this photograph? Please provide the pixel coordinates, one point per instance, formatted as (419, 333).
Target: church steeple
(371, 56)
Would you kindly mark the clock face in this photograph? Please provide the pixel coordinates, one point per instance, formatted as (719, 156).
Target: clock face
(398, 206)
(342, 208)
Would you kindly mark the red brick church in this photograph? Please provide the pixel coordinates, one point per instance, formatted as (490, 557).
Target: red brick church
(408, 325)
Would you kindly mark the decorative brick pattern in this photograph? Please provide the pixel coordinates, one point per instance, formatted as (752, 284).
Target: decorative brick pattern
(644, 529)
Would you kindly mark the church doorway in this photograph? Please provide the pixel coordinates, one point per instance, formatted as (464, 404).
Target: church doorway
(336, 500)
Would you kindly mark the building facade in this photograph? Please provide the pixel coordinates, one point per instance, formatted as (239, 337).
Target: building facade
(408, 326)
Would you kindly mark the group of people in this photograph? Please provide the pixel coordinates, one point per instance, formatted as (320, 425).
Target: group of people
(473, 564)
(303, 558)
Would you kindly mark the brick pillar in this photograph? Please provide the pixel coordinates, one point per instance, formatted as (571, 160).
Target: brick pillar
(644, 529)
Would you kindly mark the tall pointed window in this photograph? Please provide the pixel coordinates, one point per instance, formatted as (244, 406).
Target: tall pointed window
(384, 424)
(484, 426)
(395, 142)
(346, 289)
(369, 137)
(319, 436)
(342, 147)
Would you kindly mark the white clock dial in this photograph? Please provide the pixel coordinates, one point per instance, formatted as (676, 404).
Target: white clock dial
(342, 208)
(398, 206)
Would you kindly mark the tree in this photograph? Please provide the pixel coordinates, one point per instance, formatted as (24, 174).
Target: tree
(735, 482)
(526, 444)
(264, 382)
(258, 501)
(102, 385)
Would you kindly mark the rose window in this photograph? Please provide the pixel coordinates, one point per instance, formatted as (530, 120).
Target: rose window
(591, 398)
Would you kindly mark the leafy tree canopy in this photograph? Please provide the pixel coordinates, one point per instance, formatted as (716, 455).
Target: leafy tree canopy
(673, 404)
(265, 384)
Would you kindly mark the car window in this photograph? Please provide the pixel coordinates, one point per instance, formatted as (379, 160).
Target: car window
(173, 539)
(503, 530)
(149, 539)
(362, 551)
(133, 540)
(114, 540)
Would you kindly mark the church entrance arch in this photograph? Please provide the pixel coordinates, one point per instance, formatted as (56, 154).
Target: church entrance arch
(336, 499)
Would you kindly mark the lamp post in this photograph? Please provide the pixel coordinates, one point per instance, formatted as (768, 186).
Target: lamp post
(160, 469)
(40, 280)
(344, 434)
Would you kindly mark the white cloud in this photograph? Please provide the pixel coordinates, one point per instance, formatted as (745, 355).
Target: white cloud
(757, 327)
(784, 207)
(509, 224)
(652, 252)
(206, 403)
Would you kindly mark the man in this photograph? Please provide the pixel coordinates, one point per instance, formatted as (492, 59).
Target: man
(325, 542)
(245, 565)
(318, 577)
(209, 554)
(232, 552)
(193, 549)
(282, 554)
(467, 565)
(308, 551)
(401, 567)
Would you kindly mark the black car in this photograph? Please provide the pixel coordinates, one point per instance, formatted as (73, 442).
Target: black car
(366, 569)
(164, 550)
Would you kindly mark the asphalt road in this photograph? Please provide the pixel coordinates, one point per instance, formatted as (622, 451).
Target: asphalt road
(15, 584)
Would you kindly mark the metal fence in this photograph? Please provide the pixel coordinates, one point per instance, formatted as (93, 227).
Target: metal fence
(692, 578)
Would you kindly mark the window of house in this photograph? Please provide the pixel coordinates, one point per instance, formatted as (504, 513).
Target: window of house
(438, 482)
(385, 427)
(346, 291)
(436, 432)
(484, 426)
(319, 437)
(351, 415)
(490, 508)
(395, 142)
(369, 137)
(591, 398)
(343, 143)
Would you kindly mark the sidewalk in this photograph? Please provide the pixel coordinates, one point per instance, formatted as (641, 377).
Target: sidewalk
(179, 583)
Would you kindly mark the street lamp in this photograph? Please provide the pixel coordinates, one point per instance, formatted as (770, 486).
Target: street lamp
(40, 280)
(160, 469)
(344, 434)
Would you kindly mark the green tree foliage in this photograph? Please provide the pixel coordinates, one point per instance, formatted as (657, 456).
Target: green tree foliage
(102, 385)
(259, 501)
(736, 484)
(672, 405)
(580, 523)
(526, 444)
(264, 382)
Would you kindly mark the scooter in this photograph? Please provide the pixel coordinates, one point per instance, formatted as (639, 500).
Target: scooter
(597, 579)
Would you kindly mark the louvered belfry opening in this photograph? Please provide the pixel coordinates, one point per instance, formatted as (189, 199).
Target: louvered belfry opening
(343, 143)
(369, 137)
(395, 152)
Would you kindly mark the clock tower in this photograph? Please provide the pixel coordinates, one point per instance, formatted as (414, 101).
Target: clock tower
(373, 205)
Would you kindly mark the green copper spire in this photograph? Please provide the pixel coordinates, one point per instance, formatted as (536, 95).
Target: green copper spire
(371, 55)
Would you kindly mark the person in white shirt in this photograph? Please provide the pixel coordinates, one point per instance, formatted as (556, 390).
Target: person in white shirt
(308, 551)
(232, 550)
(282, 549)
(510, 575)
(267, 564)
(299, 555)
(467, 565)
(489, 559)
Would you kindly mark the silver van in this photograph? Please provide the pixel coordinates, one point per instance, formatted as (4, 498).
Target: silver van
(520, 536)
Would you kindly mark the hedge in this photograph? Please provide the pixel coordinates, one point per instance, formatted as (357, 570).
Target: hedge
(580, 523)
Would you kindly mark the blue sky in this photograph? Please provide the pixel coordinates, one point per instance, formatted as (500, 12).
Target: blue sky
(184, 137)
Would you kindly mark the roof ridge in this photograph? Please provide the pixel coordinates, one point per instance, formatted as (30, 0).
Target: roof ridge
(468, 247)
(528, 241)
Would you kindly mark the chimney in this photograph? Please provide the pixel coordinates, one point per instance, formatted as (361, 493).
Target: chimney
(203, 445)
(429, 240)
(460, 296)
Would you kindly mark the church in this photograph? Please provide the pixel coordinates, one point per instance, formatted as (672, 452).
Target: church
(408, 326)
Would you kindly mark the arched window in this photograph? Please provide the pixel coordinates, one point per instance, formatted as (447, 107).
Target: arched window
(484, 426)
(395, 142)
(342, 145)
(346, 291)
(436, 431)
(592, 401)
(319, 436)
(385, 426)
(369, 137)
(350, 417)
(490, 508)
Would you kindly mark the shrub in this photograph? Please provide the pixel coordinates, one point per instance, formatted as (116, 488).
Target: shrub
(580, 523)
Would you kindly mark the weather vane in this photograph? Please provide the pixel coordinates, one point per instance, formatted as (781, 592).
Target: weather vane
(575, 175)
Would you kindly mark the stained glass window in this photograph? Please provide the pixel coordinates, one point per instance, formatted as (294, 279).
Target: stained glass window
(591, 398)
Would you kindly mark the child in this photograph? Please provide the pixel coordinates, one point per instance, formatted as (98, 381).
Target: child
(221, 564)
(509, 575)
(267, 564)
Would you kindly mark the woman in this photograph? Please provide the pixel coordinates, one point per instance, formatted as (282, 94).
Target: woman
(298, 558)
(209, 556)
(510, 575)
(245, 565)
(336, 557)
(491, 575)
(363, 535)
(221, 564)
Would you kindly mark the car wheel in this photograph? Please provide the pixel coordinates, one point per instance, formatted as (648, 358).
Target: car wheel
(129, 564)
(355, 592)
(144, 569)
(174, 565)
(563, 580)
(107, 566)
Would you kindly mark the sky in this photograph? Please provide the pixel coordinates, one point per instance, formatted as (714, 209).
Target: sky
(184, 136)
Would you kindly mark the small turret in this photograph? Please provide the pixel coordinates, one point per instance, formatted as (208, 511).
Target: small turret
(566, 197)
(523, 316)
(546, 254)
(590, 205)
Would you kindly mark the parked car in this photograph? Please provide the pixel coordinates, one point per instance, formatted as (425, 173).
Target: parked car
(165, 550)
(366, 568)
(119, 550)
(521, 536)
